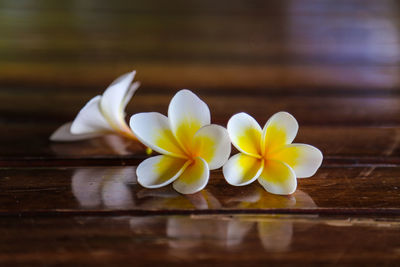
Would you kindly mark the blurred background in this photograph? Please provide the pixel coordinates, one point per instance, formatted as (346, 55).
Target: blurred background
(328, 62)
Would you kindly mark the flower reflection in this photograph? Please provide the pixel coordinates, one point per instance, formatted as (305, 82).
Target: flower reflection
(167, 198)
(108, 187)
(256, 198)
(274, 231)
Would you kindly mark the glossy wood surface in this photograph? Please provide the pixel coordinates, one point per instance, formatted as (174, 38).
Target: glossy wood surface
(351, 190)
(333, 64)
(182, 240)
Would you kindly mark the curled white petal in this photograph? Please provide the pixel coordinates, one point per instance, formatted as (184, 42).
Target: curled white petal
(115, 97)
(131, 91)
(90, 119)
(63, 134)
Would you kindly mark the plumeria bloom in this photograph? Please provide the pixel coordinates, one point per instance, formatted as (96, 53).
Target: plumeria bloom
(103, 114)
(189, 144)
(268, 154)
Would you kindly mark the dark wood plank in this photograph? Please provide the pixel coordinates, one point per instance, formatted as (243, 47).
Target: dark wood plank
(199, 241)
(353, 190)
(61, 106)
(288, 78)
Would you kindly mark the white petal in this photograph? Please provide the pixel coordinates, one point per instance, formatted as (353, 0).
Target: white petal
(187, 114)
(114, 99)
(212, 144)
(131, 91)
(160, 170)
(90, 119)
(303, 159)
(245, 133)
(242, 169)
(280, 130)
(194, 178)
(278, 178)
(153, 130)
(63, 134)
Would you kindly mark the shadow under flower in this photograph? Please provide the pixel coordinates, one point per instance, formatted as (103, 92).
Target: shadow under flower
(100, 146)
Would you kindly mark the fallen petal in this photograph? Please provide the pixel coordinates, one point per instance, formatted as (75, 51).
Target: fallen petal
(63, 134)
(115, 98)
(90, 119)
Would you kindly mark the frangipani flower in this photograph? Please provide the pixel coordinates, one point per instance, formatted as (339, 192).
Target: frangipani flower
(268, 154)
(103, 114)
(189, 144)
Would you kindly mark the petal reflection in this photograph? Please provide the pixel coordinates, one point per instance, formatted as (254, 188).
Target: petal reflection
(94, 187)
(275, 234)
(167, 198)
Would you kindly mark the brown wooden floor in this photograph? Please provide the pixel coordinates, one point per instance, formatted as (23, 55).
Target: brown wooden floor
(335, 65)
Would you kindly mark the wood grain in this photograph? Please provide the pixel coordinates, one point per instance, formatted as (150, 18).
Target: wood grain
(62, 106)
(333, 64)
(199, 241)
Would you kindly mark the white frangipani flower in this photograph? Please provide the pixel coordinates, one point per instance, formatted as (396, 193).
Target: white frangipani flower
(268, 154)
(103, 114)
(189, 144)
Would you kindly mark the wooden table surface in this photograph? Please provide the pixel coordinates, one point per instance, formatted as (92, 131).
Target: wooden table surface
(333, 64)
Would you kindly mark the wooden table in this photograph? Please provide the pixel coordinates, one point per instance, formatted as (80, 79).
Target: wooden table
(333, 64)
